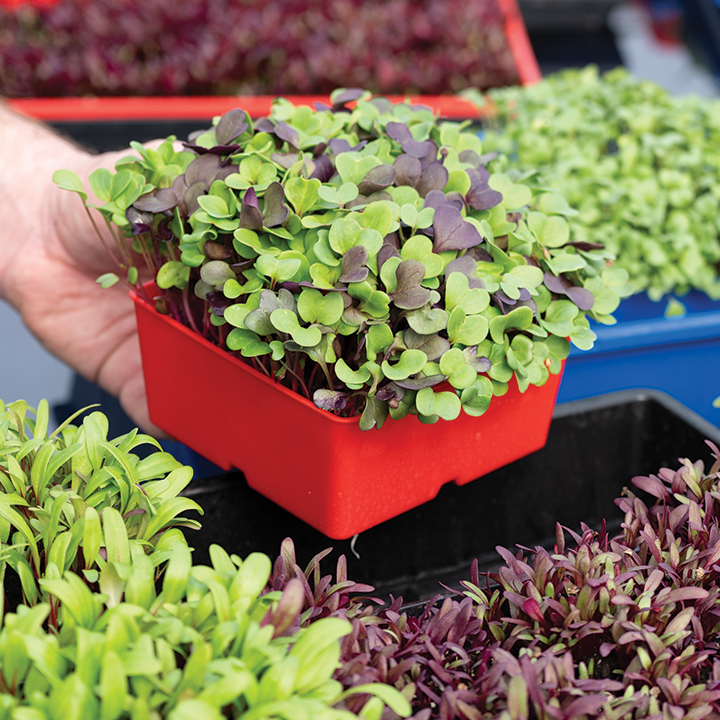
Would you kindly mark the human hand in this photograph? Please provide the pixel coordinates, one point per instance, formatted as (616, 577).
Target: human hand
(50, 258)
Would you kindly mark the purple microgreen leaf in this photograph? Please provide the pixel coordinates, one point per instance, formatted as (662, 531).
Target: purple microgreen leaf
(289, 134)
(399, 132)
(652, 486)
(140, 222)
(339, 145)
(226, 171)
(420, 150)
(285, 160)
(434, 346)
(409, 170)
(202, 169)
(275, 212)
(481, 196)
(367, 199)
(409, 294)
(480, 254)
(584, 706)
(479, 362)
(345, 96)
(502, 300)
(560, 285)
(377, 178)
(422, 382)
(190, 198)
(452, 231)
(532, 608)
(391, 393)
(682, 594)
(467, 266)
(374, 414)
(218, 302)
(434, 177)
(287, 611)
(265, 125)
(216, 251)
(250, 216)
(323, 170)
(251, 198)
(231, 125)
(331, 400)
(160, 201)
(457, 199)
(435, 198)
(387, 250)
(353, 265)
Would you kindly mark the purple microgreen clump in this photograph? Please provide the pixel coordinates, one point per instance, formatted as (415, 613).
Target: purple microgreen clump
(601, 627)
(404, 47)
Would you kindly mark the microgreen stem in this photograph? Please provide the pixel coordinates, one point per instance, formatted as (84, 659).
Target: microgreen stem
(188, 310)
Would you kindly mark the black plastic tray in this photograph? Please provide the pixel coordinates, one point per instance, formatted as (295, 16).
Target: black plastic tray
(596, 446)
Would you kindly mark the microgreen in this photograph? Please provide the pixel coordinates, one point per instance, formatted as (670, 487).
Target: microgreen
(638, 166)
(602, 627)
(403, 47)
(353, 253)
(73, 499)
(212, 643)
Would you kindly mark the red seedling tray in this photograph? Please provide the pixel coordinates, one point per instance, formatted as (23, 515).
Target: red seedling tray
(202, 108)
(323, 469)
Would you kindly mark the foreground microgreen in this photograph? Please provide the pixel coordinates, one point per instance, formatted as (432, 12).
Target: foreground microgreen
(74, 499)
(361, 256)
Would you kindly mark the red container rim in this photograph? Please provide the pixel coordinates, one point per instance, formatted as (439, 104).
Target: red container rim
(71, 109)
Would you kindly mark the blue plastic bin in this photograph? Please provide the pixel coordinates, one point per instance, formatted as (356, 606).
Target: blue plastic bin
(678, 355)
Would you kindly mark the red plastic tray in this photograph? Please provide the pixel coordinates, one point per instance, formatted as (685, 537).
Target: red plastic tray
(322, 468)
(203, 108)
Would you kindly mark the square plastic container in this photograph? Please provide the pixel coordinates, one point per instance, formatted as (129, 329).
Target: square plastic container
(324, 469)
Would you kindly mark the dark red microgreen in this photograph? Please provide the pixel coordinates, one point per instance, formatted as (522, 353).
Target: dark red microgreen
(408, 169)
(583, 298)
(140, 222)
(286, 133)
(420, 150)
(408, 293)
(160, 201)
(433, 346)
(204, 169)
(378, 178)
(230, 126)
(434, 177)
(452, 231)
(399, 132)
(250, 216)
(275, 212)
(466, 265)
(324, 169)
(481, 196)
(353, 265)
